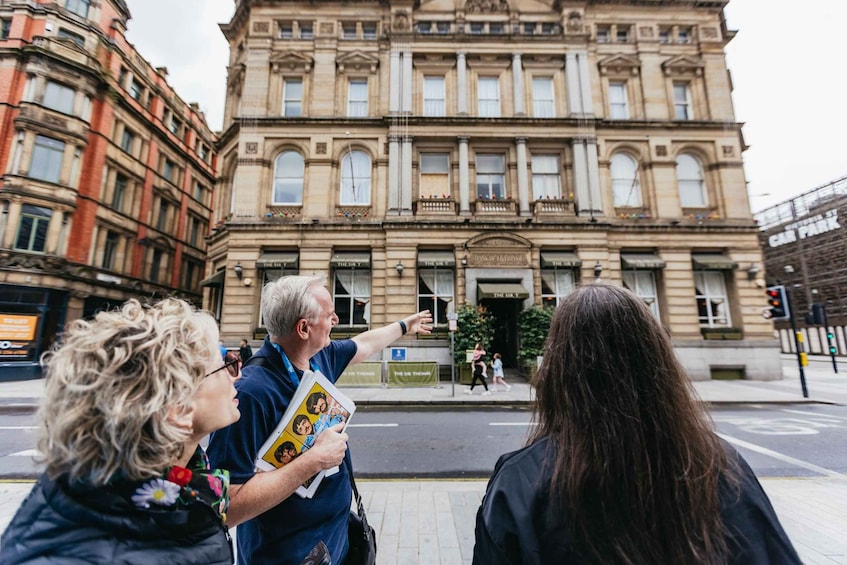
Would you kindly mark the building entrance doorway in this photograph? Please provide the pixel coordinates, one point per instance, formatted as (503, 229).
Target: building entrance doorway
(505, 313)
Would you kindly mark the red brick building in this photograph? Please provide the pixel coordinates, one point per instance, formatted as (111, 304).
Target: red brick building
(107, 174)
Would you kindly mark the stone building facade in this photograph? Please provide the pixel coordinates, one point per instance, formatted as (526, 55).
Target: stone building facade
(496, 152)
(108, 175)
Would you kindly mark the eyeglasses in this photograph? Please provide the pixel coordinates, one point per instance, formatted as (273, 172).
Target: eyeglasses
(232, 364)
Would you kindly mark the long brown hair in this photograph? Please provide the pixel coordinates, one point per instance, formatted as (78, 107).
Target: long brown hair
(637, 465)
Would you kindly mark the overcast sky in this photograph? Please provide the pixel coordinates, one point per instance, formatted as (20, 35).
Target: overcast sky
(786, 64)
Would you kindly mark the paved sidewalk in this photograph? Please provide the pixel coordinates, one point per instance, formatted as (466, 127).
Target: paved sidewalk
(432, 522)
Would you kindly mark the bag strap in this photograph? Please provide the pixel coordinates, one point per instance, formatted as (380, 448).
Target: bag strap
(267, 364)
(360, 508)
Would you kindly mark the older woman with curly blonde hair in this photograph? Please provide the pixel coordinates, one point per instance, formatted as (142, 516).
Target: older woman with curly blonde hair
(129, 395)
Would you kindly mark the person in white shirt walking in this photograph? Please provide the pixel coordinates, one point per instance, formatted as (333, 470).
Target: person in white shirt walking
(497, 366)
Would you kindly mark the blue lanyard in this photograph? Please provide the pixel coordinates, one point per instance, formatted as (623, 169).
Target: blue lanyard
(295, 380)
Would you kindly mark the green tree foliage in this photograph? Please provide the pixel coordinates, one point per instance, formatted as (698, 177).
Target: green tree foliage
(475, 324)
(534, 327)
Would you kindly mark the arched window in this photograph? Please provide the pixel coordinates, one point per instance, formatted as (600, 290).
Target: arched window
(356, 179)
(689, 178)
(288, 178)
(626, 189)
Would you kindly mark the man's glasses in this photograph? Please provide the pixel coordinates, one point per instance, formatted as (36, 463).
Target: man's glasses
(231, 363)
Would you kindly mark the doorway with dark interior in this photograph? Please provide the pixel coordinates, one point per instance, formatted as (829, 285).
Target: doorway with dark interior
(505, 313)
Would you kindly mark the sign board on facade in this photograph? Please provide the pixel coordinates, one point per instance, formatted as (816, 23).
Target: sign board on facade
(368, 373)
(413, 374)
(17, 335)
(398, 353)
(808, 227)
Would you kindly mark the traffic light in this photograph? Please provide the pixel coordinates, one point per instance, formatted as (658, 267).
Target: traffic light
(830, 339)
(778, 301)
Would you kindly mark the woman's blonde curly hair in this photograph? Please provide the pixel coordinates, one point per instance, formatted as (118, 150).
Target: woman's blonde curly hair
(112, 384)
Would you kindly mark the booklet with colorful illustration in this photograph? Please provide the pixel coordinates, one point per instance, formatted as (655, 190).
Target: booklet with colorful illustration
(316, 406)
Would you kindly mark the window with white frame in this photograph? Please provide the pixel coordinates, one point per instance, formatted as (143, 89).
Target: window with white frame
(119, 193)
(356, 178)
(32, 228)
(348, 30)
(352, 295)
(5, 27)
(488, 96)
(626, 190)
(689, 178)
(556, 283)
(368, 30)
(434, 97)
(59, 97)
(643, 283)
(110, 249)
(357, 98)
(292, 97)
(306, 31)
(490, 176)
(78, 7)
(435, 175)
(47, 155)
(289, 171)
(286, 30)
(682, 101)
(127, 140)
(546, 180)
(712, 299)
(75, 37)
(542, 97)
(618, 109)
(156, 265)
(435, 293)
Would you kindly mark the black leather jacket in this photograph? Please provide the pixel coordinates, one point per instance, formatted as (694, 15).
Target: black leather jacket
(512, 525)
(60, 524)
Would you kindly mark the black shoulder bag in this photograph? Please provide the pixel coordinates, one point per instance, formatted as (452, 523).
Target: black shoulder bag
(361, 535)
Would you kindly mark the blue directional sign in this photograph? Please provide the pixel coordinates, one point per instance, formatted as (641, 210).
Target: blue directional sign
(398, 353)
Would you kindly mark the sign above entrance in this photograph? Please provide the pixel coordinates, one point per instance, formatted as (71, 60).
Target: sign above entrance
(276, 260)
(559, 259)
(349, 260)
(436, 259)
(501, 290)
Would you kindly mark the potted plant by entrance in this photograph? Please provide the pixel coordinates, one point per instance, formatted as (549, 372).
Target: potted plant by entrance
(475, 324)
(534, 325)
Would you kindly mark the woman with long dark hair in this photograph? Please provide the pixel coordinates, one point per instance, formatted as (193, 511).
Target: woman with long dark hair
(623, 465)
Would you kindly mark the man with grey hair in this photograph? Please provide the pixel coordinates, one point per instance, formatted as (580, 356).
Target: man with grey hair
(299, 314)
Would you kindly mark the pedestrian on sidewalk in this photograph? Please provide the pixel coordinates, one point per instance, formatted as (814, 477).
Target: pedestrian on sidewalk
(299, 314)
(623, 465)
(497, 368)
(128, 397)
(478, 369)
(245, 352)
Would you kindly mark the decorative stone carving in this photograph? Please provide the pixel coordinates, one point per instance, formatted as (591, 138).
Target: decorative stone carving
(291, 61)
(646, 32)
(320, 148)
(619, 65)
(683, 65)
(709, 33)
(251, 148)
(326, 28)
(575, 24)
(487, 7)
(261, 27)
(728, 150)
(357, 61)
(401, 22)
(661, 151)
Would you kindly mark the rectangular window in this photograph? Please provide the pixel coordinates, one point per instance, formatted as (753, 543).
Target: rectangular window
(203, 151)
(199, 192)
(434, 97)
(136, 90)
(127, 140)
(110, 248)
(556, 283)
(603, 35)
(542, 97)
(47, 154)
(189, 274)
(119, 193)
(664, 35)
(681, 101)
(622, 35)
(424, 27)
(59, 97)
(162, 219)
(546, 181)
(78, 7)
(155, 265)
(618, 109)
(435, 175)
(712, 299)
(169, 170)
(495, 28)
(490, 176)
(529, 28)
(357, 98)
(684, 36)
(32, 229)
(194, 231)
(489, 97)
(369, 30)
(5, 28)
(442, 27)
(549, 28)
(292, 97)
(353, 296)
(75, 37)
(286, 30)
(643, 283)
(477, 27)
(435, 293)
(348, 30)
(306, 31)
(175, 125)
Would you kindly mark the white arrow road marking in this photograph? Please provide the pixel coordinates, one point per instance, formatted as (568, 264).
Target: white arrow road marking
(25, 453)
(372, 425)
(18, 427)
(782, 457)
(818, 414)
(512, 423)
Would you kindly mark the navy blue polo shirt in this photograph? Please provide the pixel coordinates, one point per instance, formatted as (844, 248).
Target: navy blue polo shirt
(287, 532)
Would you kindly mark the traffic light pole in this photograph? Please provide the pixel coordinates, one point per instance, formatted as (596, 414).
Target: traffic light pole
(829, 341)
(796, 344)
